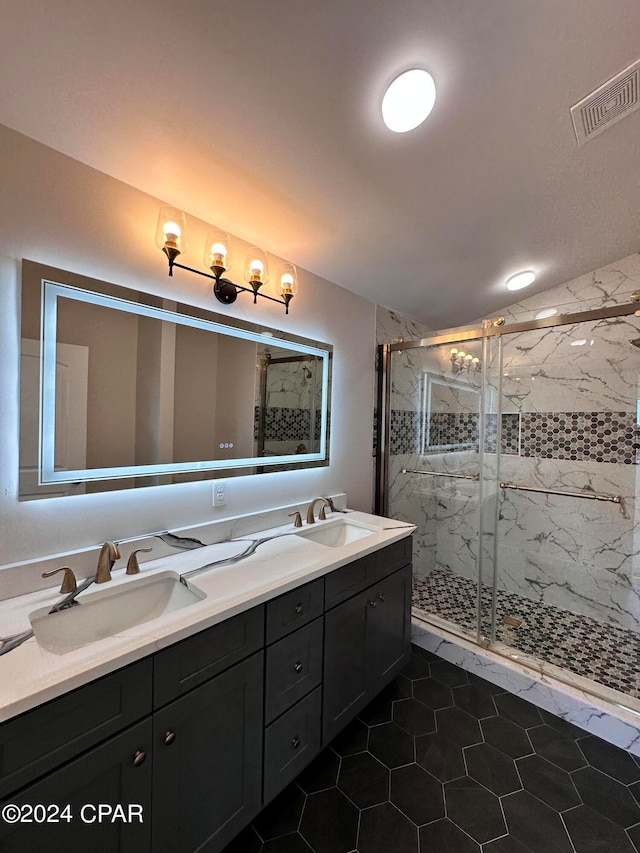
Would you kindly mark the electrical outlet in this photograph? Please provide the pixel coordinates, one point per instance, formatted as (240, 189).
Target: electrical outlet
(220, 493)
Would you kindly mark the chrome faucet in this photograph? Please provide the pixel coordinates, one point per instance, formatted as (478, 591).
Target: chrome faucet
(108, 555)
(321, 514)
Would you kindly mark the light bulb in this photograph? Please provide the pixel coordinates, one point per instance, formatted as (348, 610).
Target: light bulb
(454, 351)
(218, 253)
(286, 283)
(468, 357)
(461, 353)
(257, 268)
(476, 360)
(172, 233)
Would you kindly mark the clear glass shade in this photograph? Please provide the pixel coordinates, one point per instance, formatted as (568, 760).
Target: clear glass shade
(288, 279)
(217, 250)
(171, 230)
(256, 268)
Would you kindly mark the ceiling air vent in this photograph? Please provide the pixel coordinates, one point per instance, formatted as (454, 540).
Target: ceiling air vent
(608, 104)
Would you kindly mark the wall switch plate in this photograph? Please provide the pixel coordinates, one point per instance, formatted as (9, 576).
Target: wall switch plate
(220, 493)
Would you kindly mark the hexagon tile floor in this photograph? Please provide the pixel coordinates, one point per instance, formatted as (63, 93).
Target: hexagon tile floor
(444, 762)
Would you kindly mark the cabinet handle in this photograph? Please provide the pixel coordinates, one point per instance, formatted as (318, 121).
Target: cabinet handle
(169, 737)
(381, 596)
(299, 609)
(295, 742)
(298, 666)
(373, 603)
(139, 758)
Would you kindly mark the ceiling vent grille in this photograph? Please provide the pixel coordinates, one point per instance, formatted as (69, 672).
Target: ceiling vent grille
(608, 104)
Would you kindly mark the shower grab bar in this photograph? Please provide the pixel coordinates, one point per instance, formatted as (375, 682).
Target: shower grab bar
(590, 496)
(474, 477)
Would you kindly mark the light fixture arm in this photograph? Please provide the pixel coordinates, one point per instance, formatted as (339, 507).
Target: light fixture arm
(225, 290)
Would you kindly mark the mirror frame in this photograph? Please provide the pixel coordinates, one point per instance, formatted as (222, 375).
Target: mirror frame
(148, 305)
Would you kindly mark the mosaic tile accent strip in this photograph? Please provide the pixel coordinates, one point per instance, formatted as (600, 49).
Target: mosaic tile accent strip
(286, 424)
(603, 653)
(404, 432)
(509, 436)
(597, 436)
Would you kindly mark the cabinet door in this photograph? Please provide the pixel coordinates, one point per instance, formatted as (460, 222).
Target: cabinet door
(345, 664)
(63, 807)
(207, 767)
(389, 628)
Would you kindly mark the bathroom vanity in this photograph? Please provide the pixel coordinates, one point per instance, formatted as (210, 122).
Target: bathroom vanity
(200, 734)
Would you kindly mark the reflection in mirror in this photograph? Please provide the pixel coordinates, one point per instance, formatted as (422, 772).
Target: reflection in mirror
(122, 389)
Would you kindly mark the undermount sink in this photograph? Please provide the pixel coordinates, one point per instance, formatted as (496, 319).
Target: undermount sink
(108, 612)
(335, 534)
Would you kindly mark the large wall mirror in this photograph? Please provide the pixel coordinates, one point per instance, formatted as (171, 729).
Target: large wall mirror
(121, 389)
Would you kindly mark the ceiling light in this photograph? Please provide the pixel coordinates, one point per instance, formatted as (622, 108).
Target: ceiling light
(579, 343)
(547, 312)
(408, 100)
(520, 280)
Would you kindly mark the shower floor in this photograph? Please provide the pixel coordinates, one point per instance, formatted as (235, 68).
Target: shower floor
(606, 654)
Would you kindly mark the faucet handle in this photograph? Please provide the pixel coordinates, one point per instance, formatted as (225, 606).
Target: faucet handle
(69, 582)
(321, 515)
(132, 563)
(298, 519)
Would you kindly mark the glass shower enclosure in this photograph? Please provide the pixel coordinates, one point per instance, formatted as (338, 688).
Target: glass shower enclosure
(514, 450)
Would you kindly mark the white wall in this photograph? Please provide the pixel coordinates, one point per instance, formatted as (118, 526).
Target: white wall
(57, 211)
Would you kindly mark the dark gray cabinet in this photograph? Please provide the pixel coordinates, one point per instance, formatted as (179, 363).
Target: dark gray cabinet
(367, 642)
(207, 767)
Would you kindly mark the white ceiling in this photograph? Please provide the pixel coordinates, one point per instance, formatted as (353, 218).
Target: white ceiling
(263, 118)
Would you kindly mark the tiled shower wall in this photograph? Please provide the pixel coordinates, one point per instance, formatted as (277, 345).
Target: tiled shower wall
(569, 398)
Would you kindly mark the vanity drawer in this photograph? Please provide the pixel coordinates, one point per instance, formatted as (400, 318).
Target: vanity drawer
(294, 668)
(290, 744)
(393, 557)
(193, 661)
(42, 739)
(349, 580)
(294, 609)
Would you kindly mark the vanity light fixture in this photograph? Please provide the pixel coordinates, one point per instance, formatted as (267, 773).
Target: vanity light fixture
(463, 361)
(171, 238)
(520, 280)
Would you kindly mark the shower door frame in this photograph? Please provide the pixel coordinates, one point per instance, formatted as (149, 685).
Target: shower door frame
(489, 329)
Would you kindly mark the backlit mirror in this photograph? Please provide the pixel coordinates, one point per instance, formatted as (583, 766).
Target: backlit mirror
(122, 389)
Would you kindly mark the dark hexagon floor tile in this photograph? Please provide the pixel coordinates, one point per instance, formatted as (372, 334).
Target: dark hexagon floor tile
(321, 773)
(556, 748)
(432, 693)
(364, 780)
(353, 738)
(248, 841)
(383, 828)
(413, 717)
(492, 768)
(448, 673)
(417, 794)
(518, 710)
(592, 833)
(564, 727)
(423, 653)
(535, 825)
(612, 799)
(634, 835)
(474, 809)
(458, 726)
(506, 844)
(282, 815)
(418, 667)
(391, 745)
(329, 822)
(612, 760)
(487, 686)
(548, 783)
(506, 736)
(440, 756)
(635, 790)
(287, 844)
(379, 711)
(474, 700)
(442, 836)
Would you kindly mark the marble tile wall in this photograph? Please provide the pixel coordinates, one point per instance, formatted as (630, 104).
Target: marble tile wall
(581, 380)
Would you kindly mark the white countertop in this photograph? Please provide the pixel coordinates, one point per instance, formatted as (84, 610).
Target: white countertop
(31, 675)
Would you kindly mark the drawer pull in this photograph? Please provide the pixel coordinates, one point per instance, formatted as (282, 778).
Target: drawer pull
(298, 666)
(169, 737)
(299, 609)
(381, 596)
(373, 603)
(295, 742)
(139, 758)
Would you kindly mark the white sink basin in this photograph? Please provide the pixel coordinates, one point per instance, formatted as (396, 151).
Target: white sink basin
(103, 613)
(337, 533)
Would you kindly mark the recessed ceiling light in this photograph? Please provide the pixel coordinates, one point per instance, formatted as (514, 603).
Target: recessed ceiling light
(547, 312)
(520, 280)
(408, 100)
